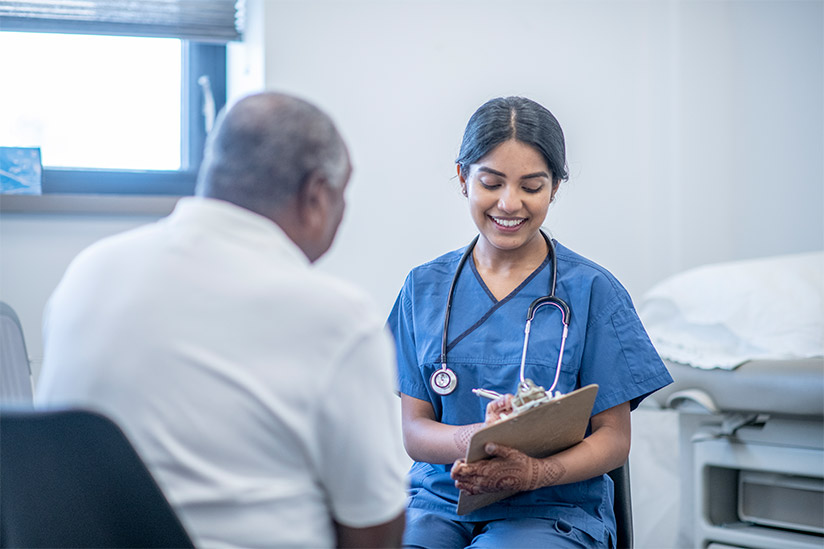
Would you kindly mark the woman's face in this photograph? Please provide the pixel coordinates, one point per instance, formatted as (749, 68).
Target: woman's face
(509, 192)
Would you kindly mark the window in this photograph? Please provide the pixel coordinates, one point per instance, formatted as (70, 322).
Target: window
(120, 111)
(115, 109)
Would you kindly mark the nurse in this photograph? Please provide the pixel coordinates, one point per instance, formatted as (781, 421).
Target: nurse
(511, 163)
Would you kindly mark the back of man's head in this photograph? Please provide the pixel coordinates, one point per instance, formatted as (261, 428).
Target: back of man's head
(264, 148)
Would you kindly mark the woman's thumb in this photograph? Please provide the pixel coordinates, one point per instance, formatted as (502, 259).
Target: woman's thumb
(494, 450)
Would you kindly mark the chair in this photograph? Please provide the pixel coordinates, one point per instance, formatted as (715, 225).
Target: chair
(70, 478)
(15, 369)
(622, 506)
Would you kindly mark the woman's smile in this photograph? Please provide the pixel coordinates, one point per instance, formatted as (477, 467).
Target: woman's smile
(508, 223)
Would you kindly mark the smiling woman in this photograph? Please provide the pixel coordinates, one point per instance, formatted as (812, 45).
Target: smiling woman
(511, 164)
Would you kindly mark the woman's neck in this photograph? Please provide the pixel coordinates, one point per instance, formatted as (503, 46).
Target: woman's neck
(530, 255)
(504, 270)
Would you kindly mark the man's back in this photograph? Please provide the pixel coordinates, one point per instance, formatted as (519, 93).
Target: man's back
(258, 391)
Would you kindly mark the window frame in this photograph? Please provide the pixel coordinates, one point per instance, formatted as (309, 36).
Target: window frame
(198, 59)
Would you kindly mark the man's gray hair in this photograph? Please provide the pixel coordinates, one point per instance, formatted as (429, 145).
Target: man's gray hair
(264, 148)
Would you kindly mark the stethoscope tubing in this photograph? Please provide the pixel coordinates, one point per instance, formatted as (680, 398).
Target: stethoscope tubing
(565, 312)
(550, 299)
(466, 254)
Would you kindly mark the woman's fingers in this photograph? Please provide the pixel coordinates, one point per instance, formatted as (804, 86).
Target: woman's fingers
(507, 470)
(497, 408)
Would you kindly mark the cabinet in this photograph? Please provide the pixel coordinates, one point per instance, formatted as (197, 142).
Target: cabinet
(756, 485)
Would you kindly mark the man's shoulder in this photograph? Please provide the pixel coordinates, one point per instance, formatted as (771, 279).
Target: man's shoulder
(114, 248)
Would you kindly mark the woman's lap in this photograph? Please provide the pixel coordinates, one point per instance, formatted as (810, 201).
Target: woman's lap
(425, 529)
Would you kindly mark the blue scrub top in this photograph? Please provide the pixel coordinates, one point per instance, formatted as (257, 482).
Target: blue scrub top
(606, 345)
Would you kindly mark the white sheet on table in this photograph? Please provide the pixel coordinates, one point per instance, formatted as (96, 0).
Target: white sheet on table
(722, 315)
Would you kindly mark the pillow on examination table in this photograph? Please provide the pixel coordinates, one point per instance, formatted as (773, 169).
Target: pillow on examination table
(722, 315)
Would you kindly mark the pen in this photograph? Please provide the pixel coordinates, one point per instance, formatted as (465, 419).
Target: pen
(486, 393)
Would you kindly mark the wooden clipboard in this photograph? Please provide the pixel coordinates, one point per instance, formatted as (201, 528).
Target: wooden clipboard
(538, 432)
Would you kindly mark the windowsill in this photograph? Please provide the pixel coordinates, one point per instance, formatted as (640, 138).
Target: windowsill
(88, 204)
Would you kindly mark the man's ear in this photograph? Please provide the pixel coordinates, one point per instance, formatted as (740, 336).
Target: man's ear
(313, 203)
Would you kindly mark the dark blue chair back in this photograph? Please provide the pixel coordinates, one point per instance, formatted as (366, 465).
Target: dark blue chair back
(70, 478)
(622, 506)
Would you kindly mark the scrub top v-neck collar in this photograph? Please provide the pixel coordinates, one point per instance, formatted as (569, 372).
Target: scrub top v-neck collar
(496, 304)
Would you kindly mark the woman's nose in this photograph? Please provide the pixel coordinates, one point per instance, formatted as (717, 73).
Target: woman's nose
(509, 201)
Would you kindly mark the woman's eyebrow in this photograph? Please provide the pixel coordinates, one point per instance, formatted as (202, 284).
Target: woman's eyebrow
(502, 174)
(490, 170)
(534, 175)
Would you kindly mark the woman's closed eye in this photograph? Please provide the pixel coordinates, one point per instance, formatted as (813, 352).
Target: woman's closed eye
(490, 185)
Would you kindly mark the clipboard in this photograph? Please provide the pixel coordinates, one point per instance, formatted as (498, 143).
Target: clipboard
(538, 432)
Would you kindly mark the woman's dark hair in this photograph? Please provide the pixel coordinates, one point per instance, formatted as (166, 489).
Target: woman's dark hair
(504, 118)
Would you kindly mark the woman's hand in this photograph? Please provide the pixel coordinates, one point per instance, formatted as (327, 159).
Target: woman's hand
(507, 470)
(510, 470)
(497, 408)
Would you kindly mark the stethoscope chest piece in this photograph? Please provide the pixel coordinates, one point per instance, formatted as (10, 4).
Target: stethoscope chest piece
(443, 380)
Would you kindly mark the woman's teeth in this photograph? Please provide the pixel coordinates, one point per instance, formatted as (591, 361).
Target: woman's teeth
(508, 222)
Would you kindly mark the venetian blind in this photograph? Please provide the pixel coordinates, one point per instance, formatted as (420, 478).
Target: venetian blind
(197, 20)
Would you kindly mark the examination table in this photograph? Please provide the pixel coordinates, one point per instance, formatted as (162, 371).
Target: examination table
(751, 453)
(744, 342)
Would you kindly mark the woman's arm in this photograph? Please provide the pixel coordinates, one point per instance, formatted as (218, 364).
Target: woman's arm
(428, 440)
(605, 449)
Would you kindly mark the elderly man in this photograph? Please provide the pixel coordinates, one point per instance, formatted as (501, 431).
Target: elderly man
(259, 391)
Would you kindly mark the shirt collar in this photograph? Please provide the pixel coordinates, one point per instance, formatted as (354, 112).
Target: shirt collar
(224, 218)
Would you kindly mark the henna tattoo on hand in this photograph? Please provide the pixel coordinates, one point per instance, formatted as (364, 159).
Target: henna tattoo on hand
(463, 435)
(517, 472)
(535, 478)
(546, 472)
(506, 479)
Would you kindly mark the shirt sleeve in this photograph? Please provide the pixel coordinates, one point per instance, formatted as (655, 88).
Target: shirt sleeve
(619, 356)
(401, 324)
(362, 461)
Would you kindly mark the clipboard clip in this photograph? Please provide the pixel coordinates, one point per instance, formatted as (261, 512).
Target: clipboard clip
(530, 395)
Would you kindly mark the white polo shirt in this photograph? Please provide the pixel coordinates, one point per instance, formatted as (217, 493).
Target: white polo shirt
(259, 391)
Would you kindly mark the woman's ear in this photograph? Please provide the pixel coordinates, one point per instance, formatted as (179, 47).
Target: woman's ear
(462, 179)
(555, 186)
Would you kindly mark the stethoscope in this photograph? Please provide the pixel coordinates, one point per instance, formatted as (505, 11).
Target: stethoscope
(443, 380)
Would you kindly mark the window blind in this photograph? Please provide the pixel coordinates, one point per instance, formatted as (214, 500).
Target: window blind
(217, 21)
